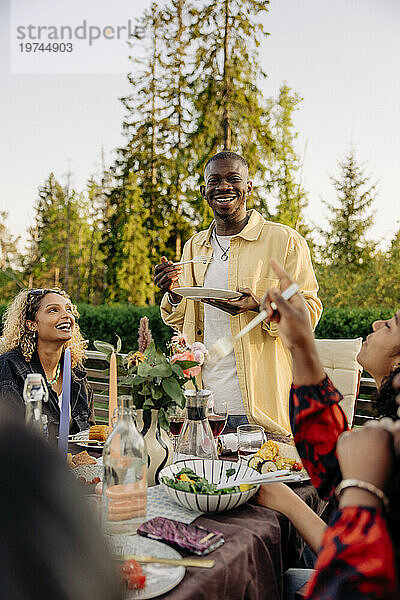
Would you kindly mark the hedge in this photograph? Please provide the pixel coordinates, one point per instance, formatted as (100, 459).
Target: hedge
(103, 322)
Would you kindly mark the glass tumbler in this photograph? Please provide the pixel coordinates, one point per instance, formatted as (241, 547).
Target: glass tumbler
(250, 439)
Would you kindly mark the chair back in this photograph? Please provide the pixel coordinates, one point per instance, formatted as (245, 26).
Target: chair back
(339, 359)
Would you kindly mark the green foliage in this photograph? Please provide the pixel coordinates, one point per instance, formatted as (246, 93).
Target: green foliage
(104, 322)
(338, 323)
(10, 275)
(345, 239)
(59, 240)
(128, 273)
(285, 171)
(228, 107)
(150, 380)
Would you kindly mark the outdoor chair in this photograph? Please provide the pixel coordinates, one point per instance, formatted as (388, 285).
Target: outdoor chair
(339, 359)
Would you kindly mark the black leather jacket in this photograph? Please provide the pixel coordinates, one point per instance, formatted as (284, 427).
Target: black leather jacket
(13, 371)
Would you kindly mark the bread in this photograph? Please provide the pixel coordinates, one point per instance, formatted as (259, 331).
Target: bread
(98, 432)
(83, 458)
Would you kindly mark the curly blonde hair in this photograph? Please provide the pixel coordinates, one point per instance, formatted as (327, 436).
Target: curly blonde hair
(17, 335)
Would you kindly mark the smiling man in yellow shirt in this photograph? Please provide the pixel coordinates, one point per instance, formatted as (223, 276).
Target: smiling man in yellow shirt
(255, 379)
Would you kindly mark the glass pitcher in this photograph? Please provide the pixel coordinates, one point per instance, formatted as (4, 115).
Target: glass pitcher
(125, 475)
(196, 438)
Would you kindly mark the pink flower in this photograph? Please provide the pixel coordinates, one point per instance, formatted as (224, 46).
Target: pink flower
(200, 352)
(187, 355)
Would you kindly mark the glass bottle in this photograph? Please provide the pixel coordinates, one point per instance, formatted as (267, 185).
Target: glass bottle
(196, 438)
(35, 392)
(125, 475)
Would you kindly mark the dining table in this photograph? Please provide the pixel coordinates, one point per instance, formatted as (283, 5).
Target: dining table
(260, 545)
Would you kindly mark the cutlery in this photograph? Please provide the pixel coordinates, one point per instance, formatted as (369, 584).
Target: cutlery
(196, 259)
(224, 346)
(281, 476)
(179, 562)
(94, 443)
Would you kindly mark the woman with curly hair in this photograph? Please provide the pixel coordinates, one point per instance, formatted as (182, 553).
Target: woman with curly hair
(38, 325)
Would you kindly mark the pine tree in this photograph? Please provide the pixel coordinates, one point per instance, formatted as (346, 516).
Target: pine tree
(346, 270)
(131, 261)
(345, 239)
(229, 112)
(145, 152)
(285, 172)
(57, 252)
(176, 93)
(10, 276)
(387, 291)
(95, 268)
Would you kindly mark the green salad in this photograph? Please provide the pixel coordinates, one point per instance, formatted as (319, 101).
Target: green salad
(188, 481)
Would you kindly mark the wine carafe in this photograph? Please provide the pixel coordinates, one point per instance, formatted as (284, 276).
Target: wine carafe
(196, 438)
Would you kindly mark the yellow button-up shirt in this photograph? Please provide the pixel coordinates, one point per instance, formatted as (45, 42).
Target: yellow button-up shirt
(263, 363)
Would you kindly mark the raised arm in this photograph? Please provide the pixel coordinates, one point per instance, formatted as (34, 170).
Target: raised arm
(316, 417)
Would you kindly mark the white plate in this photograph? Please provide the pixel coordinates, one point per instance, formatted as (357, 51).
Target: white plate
(289, 451)
(159, 578)
(197, 293)
(83, 436)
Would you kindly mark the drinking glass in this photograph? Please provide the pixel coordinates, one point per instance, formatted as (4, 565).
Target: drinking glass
(176, 416)
(217, 417)
(250, 439)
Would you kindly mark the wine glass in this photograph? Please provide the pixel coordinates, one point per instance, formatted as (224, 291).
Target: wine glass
(217, 417)
(176, 416)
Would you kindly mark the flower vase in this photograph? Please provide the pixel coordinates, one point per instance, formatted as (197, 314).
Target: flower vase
(158, 443)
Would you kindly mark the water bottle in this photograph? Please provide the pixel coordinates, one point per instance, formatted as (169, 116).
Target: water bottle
(35, 392)
(125, 475)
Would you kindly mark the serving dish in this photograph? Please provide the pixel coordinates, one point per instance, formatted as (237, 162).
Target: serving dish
(213, 471)
(198, 293)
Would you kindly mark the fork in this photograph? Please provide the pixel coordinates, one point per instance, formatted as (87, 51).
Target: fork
(196, 259)
(224, 346)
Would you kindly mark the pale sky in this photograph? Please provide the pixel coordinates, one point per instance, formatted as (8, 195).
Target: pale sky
(342, 57)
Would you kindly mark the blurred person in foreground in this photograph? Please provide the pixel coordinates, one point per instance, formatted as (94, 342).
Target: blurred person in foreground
(51, 548)
(37, 326)
(255, 378)
(359, 551)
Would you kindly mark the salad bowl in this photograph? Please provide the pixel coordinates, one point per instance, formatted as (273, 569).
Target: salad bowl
(208, 500)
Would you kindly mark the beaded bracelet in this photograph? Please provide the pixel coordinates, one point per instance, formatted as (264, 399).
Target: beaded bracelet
(362, 485)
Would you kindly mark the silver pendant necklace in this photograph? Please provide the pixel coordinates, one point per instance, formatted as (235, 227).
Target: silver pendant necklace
(225, 251)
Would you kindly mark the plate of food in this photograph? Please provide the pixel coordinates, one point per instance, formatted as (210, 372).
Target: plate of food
(141, 580)
(93, 438)
(198, 293)
(274, 456)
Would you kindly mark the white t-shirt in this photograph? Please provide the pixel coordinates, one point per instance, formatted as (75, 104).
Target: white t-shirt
(222, 378)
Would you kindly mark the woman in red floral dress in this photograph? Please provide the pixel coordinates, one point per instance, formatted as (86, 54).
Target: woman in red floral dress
(359, 550)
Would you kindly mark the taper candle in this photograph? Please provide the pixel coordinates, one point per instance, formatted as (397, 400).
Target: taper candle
(113, 390)
(63, 431)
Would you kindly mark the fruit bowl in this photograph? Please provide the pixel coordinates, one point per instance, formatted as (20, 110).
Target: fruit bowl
(213, 471)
